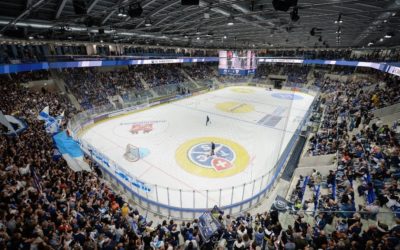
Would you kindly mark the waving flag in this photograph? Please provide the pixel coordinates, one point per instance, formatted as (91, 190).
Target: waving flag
(52, 124)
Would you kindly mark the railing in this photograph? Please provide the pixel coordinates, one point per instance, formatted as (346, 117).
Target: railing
(179, 203)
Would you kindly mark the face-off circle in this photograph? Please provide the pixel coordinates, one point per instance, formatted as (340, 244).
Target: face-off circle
(242, 90)
(235, 107)
(195, 156)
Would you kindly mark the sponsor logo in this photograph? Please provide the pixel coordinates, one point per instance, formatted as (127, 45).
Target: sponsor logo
(141, 128)
(195, 157)
(145, 127)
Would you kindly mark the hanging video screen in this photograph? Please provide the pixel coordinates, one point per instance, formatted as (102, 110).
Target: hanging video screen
(237, 62)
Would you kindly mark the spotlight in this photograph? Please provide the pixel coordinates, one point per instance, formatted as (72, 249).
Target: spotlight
(30, 38)
(198, 38)
(339, 20)
(147, 22)
(389, 35)
(381, 40)
(224, 37)
(370, 43)
(135, 10)
(121, 12)
(230, 21)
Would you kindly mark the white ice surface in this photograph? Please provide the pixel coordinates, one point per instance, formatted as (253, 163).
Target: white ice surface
(185, 120)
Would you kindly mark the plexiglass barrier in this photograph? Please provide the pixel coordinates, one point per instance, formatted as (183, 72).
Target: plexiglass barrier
(179, 203)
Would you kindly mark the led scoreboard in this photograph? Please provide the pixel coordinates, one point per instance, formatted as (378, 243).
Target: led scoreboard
(237, 62)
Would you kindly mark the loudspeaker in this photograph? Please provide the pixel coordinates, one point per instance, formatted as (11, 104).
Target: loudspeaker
(277, 84)
(135, 10)
(101, 31)
(190, 2)
(80, 7)
(294, 15)
(283, 5)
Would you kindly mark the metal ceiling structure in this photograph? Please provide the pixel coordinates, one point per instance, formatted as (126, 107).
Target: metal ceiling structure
(254, 23)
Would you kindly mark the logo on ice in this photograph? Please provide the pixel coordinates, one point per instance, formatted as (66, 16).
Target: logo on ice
(222, 159)
(141, 127)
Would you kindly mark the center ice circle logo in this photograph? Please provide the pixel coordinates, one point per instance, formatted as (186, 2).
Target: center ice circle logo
(222, 159)
(195, 157)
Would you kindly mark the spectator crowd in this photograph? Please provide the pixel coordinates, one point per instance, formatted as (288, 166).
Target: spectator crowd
(45, 205)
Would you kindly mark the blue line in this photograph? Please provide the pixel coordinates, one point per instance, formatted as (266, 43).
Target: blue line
(243, 100)
(233, 118)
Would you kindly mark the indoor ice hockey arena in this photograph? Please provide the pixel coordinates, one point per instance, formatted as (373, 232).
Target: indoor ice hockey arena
(200, 124)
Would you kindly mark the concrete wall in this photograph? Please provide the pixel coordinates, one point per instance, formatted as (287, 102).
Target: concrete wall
(49, 85)
(324, 170)
(315, 161)
(390, 110)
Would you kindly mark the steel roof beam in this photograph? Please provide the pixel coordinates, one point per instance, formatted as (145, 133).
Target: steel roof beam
(26, 12)
(91, 6)
(60, 8)
(163, 7)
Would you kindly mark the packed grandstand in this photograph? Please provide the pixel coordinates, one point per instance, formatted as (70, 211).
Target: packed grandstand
(199, 125)
(47, 205)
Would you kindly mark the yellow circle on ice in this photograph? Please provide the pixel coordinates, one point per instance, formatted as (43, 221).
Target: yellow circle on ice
(242, 90)
(235, 107)
(229, 158)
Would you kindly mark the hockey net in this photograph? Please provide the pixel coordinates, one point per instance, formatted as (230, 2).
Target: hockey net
(132, 153)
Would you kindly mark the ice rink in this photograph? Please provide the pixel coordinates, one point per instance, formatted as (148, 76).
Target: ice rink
(250, 127)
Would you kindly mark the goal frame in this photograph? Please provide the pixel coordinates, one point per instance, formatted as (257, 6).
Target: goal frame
(132, 153)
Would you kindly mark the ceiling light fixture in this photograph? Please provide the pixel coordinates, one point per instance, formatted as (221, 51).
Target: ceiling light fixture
(339, 20)
(121, 12)
(231, 21)
(147, 22)
(389, 35)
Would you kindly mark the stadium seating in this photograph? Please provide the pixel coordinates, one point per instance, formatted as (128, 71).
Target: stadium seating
(46, 205)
